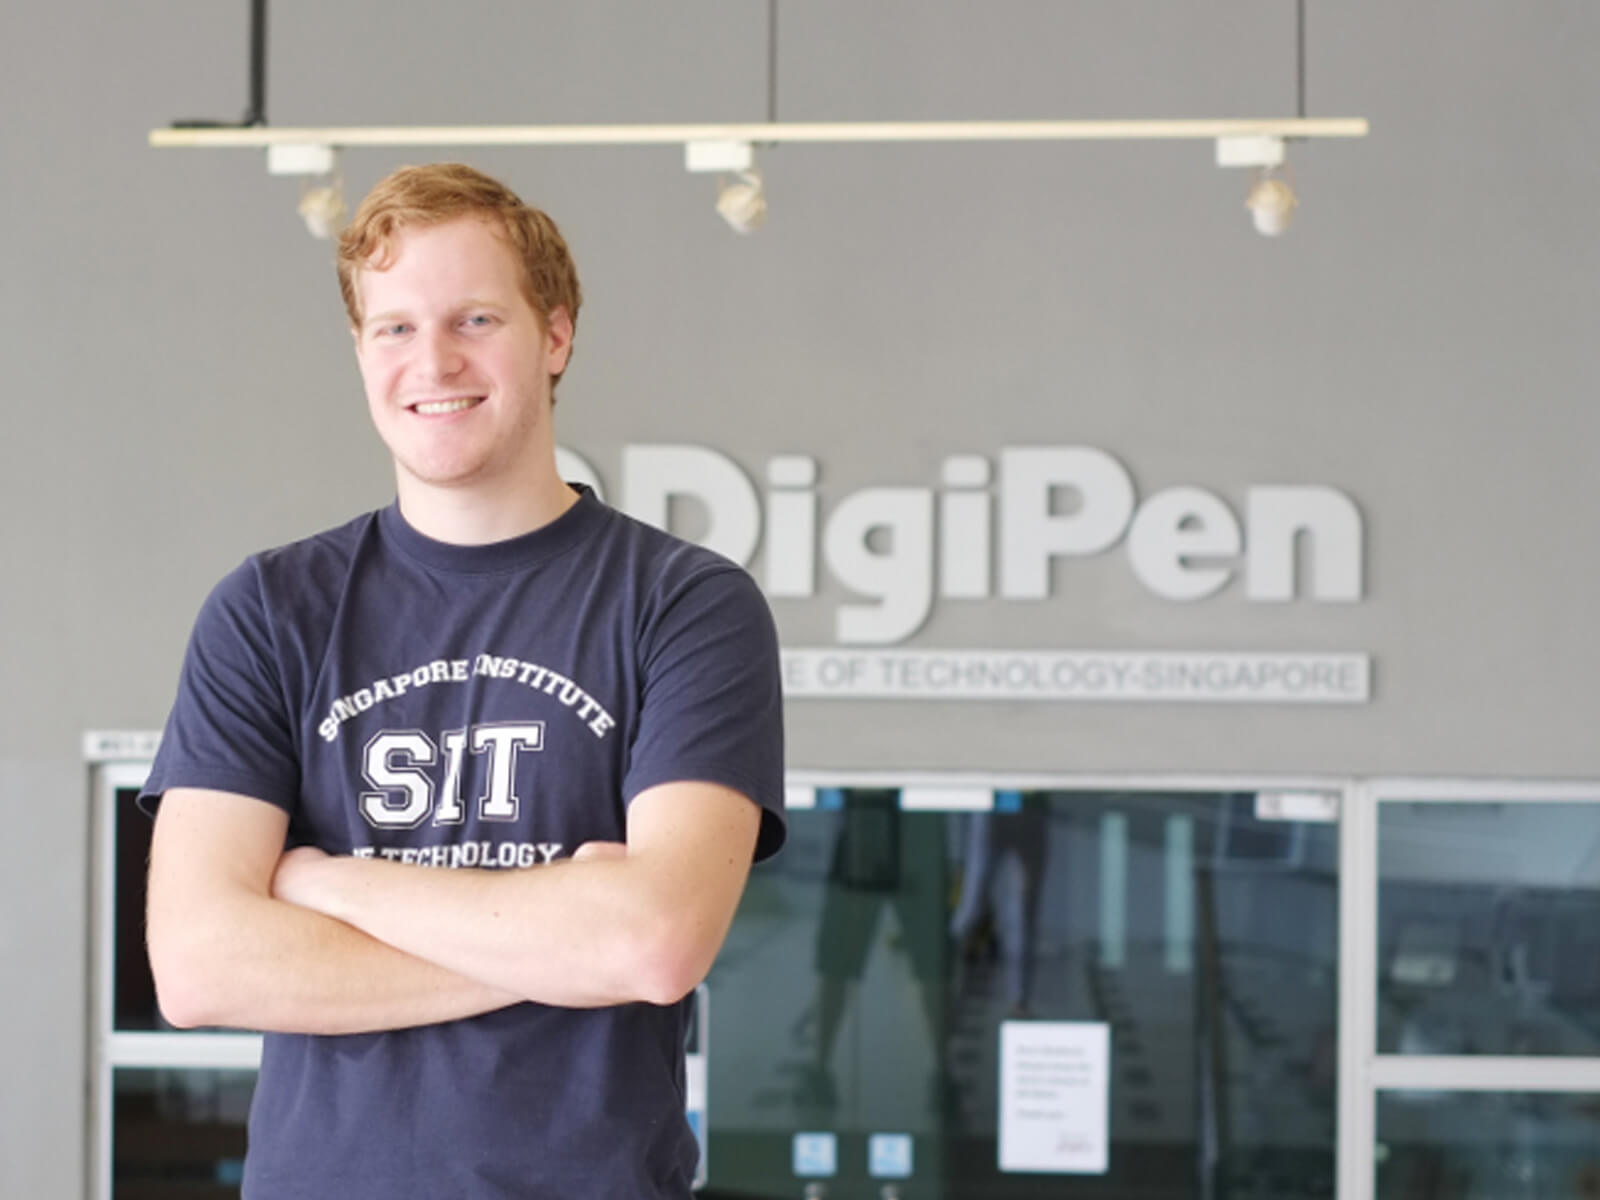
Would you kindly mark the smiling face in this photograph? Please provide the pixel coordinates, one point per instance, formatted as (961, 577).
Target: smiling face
(458, 367)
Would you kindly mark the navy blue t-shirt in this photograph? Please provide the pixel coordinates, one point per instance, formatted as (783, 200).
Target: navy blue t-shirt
(478, 707)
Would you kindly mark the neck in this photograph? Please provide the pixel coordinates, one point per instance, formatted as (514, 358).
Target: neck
(465, 516)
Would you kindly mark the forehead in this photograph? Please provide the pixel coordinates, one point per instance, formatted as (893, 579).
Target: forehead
(438, 264)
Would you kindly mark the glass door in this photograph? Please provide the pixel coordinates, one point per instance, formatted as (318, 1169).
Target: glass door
(914, 929)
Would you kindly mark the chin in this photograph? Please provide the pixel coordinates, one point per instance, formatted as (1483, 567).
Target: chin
(442, 474)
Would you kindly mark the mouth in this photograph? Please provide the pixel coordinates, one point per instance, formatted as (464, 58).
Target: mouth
(440, 408)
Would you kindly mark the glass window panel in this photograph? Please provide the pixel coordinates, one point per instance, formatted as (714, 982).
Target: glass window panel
(1486, 919)
(871, 965)
(133, 989)
(178, 1133)
(1487, 1146)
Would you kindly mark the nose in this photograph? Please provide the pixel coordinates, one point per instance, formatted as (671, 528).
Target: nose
(438, 357)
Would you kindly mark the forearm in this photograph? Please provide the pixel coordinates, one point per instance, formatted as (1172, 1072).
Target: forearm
(225, 950)
(574, 934)
(259, 963)
(613, 925)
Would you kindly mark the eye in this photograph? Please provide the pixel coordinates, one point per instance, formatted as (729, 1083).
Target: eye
(393, 329)
(479, 321)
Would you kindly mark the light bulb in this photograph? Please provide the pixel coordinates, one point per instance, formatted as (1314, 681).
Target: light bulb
(323, 210)
(742, 203)
(1272, 204)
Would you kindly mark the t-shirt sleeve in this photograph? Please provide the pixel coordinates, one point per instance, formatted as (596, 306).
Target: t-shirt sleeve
(712, 705)
(229, 728)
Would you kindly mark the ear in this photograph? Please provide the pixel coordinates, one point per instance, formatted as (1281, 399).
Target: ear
(558, 340)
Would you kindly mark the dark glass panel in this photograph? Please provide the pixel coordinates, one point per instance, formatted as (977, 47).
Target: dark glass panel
(133, 989)
(178, 1134)
(1487, 1146)
(1486, 920)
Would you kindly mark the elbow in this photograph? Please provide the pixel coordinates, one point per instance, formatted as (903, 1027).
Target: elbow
(668, 985)
(671, 965)
(186, 992)
(180, 1012)
(182, 1006)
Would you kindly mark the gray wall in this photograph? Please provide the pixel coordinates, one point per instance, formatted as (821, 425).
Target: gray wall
(182, 392)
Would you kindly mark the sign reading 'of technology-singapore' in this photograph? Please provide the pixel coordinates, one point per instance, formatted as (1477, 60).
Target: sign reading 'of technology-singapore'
(994, 530)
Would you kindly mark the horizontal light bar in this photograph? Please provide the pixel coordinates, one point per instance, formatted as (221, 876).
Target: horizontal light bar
(768, 134)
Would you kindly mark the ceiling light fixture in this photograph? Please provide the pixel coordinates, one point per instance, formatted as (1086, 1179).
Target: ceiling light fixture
(322, 205)
(741, 197)
(1271, 200)
(729, 148)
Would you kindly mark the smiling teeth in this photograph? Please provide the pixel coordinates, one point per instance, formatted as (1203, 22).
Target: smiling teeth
(435, 407)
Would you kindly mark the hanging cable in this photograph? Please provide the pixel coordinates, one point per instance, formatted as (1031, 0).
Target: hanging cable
(1300, 58)
(257, 113)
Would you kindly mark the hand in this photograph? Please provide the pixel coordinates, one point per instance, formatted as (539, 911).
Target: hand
(297, 869)
(597, 850)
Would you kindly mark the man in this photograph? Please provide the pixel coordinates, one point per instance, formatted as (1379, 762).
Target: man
(522, 748)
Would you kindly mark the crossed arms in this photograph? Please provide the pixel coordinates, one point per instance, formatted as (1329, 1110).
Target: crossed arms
(245, 936)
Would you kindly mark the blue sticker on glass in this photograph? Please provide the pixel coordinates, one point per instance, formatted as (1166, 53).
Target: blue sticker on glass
(230, 1172)
(816, 1155)
(889, 1156)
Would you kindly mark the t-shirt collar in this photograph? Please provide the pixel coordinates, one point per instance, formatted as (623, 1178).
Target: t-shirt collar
(525, 550)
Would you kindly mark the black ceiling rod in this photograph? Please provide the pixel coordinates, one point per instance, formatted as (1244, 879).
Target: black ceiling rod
(1300, 56)
(256, 114)
(772, 70)
(1299, 65)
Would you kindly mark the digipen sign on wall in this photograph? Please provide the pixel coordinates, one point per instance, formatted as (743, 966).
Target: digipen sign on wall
(993, 531)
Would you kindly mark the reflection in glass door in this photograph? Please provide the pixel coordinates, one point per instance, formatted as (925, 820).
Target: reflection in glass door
(873, 965)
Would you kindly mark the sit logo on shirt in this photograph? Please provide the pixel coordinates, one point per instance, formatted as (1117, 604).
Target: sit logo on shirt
(407, 795)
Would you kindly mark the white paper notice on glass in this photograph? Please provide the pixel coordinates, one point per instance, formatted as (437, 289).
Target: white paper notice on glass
(1055, 1090)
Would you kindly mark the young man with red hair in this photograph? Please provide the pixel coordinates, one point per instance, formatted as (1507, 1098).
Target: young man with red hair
(457, 800)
